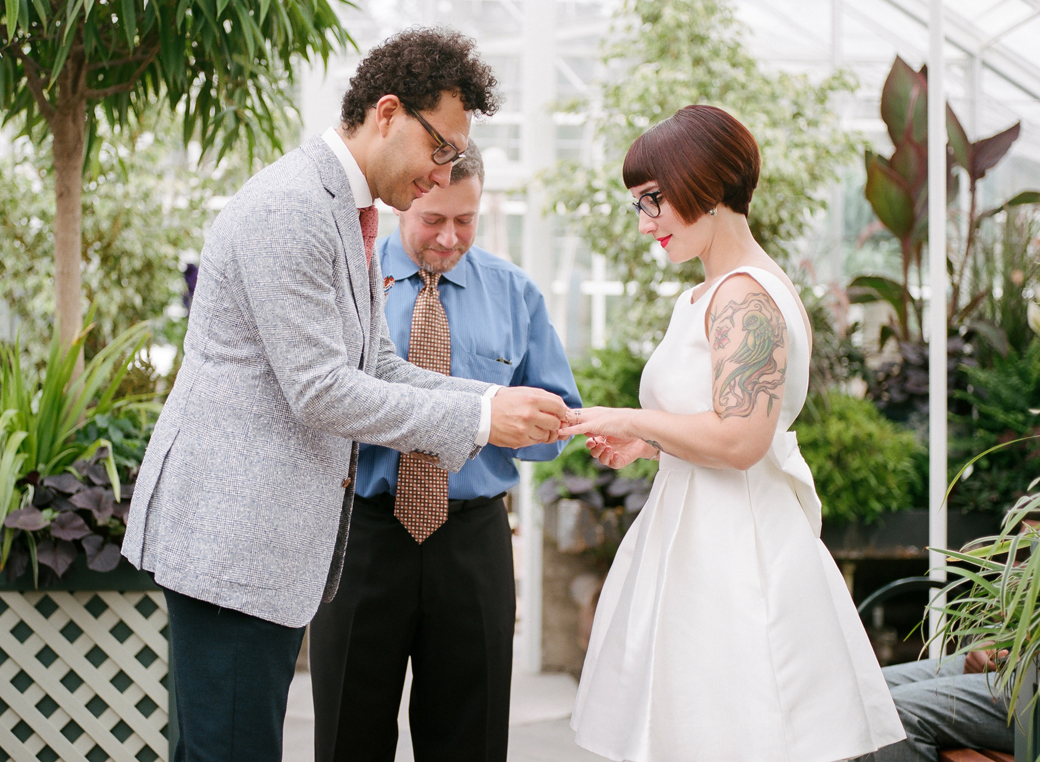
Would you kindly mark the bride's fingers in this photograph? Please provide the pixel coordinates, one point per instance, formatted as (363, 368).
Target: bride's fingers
(573, 430)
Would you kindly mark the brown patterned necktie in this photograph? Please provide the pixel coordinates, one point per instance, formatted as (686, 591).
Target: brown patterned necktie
(369, 216)
(422, 488)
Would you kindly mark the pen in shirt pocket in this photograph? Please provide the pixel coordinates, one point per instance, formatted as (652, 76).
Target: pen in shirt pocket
(503, 360)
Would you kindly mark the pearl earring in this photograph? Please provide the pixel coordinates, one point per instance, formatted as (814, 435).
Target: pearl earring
(714, 211)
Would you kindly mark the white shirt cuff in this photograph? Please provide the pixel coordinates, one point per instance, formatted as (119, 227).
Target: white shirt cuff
(484, 429)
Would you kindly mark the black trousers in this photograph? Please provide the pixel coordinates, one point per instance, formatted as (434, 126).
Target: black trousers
(232, 673)
(449, 604)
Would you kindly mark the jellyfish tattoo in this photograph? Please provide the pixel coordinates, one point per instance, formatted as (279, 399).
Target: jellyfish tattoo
(756, 370)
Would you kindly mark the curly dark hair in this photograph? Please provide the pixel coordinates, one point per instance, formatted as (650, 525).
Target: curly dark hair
(417, 65)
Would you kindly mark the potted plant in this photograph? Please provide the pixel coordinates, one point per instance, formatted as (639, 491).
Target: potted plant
(83, 650)
(993, 599)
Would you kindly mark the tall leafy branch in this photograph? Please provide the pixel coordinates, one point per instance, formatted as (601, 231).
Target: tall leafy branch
(662, 56)
(223, 65)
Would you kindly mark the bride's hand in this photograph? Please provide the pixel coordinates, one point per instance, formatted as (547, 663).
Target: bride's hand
(598, 422)
(618, 453)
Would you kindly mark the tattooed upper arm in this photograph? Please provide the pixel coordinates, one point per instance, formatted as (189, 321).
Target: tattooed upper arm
(748, 338)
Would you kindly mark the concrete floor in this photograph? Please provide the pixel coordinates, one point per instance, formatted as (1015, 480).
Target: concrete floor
(538, 717)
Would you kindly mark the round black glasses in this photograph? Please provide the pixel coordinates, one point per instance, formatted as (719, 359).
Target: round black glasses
(649, 204)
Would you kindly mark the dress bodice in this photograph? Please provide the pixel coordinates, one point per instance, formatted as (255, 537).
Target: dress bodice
(678, 379)
(678, 376)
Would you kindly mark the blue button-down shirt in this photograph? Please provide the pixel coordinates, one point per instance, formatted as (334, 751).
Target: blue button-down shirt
(500, 333)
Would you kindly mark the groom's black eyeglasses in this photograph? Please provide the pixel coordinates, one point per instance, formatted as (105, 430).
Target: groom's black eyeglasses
(445, 153)
(649, 204)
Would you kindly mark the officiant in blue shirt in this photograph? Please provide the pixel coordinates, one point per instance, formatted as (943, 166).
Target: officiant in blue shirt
(428, 572)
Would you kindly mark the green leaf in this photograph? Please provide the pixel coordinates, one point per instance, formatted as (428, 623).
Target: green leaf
(899, 98)
(911, 162)
(264, 6)
(962, 148)
(891, 198)
(129, 19)
(1025, 197)
(71, 11)
(63, 54)
(988, 151)
(42, 13)
(873, 288)
(994, 335)
(182, 10)
(221, 5)
(12, 17)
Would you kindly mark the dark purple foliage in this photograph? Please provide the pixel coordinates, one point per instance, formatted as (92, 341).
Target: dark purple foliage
(86, 518)
(57, 555)
(97, 474)
(98, 501)
(29, 518)
(106, 560)
(65, 483)
(69, 526)
(101, 556)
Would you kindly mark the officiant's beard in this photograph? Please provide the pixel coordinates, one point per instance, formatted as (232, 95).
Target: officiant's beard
(435, 260)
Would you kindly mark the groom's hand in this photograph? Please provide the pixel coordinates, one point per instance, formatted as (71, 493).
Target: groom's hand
(521, 416)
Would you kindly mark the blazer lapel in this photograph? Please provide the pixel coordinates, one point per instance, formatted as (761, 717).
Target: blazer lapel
(345, 213)
(346, 216)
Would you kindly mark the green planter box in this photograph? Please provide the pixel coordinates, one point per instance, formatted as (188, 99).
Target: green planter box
(84, 669)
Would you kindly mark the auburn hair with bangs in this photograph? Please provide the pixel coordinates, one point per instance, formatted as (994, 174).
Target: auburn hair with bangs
(699, 157)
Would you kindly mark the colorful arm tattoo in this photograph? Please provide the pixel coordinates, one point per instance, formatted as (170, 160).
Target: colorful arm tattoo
(754, 367)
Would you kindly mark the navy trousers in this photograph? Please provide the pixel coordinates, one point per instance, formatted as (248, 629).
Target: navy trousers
(232, 673)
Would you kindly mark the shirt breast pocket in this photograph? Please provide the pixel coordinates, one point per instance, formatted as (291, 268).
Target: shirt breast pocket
(466, 364)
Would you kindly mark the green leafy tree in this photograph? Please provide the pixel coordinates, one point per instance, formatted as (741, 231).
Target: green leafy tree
(668, 54)
(68, 65)
(141, 213)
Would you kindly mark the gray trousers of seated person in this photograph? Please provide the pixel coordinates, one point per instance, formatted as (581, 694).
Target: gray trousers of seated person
(943, 708)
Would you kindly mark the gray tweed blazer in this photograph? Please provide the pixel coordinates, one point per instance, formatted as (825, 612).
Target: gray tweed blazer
(244, 495)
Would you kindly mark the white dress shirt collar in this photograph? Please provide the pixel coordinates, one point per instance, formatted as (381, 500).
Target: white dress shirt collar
(358, 183)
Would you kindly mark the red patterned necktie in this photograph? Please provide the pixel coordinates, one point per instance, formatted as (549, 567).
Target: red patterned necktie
(422, 488)
(369, 229)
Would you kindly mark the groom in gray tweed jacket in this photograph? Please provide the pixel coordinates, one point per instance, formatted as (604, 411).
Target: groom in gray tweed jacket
(242, 504)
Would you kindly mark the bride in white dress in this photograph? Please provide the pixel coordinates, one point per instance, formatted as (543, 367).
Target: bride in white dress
(724, 632)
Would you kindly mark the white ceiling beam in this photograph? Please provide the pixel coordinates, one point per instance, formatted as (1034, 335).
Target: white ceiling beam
(971, 47)
(1001, 35)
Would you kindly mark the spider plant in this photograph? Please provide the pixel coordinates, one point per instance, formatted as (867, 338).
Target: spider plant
(39, 417)
(992, 598)
(51, 408)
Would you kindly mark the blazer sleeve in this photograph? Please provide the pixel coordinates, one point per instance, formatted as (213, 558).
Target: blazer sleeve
(284, 261)
(391, 367)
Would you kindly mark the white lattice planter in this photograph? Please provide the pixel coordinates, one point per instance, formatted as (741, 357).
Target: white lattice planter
(84, 672)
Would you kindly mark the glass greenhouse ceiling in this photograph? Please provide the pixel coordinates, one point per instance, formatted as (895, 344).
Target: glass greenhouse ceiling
(992, 54)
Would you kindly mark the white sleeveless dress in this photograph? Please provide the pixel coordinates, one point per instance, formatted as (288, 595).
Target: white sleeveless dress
(725, 632)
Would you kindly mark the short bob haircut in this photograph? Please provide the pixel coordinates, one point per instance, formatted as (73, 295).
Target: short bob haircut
(699, 157)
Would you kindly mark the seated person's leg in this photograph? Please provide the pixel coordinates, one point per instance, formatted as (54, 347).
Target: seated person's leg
(925, 669)
(948, 711)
